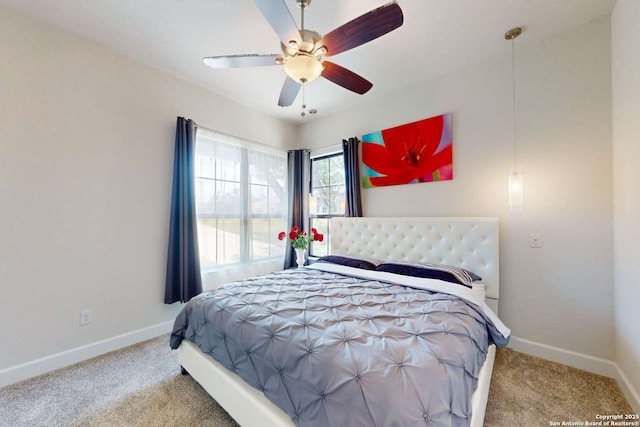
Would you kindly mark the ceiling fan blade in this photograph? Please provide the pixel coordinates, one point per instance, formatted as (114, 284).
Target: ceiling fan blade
(289, 91)
(346, 78)
(239, 61)
(363, 29)
(278, 16)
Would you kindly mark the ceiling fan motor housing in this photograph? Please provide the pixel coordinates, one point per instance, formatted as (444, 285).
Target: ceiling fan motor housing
(309, 41)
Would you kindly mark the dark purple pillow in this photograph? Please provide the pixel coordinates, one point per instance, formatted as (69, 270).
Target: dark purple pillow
(350, 261)
(431, 271)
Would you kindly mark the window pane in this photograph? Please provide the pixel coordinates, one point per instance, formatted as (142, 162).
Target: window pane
(205, 167)
(323, 201)
(277, 247)
(337, 200)
(337, 169)
(205, 196)
(259, 199)
(267, 169)
(264, 237)
(228, 198)
(228, 160)
(328, 186)
(228, 240)
(257, 172)
(319, 170)
(327, 197)
(320, 248)
(260, 238)
(278, 202)
(241, 200)
(207, 242)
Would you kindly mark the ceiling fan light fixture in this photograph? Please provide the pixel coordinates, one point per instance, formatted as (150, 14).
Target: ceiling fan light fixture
(303, 68)
(321, 51)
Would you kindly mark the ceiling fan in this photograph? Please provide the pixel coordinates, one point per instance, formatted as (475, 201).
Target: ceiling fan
(303, 51)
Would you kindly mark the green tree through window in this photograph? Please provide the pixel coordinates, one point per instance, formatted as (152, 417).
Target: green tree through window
(327, 197)
(241, 200)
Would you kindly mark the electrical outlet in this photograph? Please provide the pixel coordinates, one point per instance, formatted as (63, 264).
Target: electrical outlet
(86, 317)
(535, 241)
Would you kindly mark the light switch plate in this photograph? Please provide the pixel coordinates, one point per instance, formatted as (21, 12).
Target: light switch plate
(535, 241)
(86, 317)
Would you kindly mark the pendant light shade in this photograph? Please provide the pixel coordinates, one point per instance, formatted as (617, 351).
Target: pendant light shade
(516, 180)
(516, 191)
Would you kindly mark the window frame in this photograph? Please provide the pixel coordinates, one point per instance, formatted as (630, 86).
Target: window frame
(324, 216)
(245, 217)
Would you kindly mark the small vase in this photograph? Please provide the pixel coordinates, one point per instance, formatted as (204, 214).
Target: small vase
(300, 256)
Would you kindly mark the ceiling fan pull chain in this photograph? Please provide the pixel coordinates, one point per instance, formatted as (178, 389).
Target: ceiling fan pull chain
(304, 104)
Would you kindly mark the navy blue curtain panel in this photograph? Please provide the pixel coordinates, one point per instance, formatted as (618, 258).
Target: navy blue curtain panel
(183, 260)
(353, 205)
(298, 162)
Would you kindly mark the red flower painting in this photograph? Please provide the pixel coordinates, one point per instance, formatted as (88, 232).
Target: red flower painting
(415, 152)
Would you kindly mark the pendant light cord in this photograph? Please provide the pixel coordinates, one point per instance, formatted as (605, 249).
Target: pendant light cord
(513, 85)
(302, 7)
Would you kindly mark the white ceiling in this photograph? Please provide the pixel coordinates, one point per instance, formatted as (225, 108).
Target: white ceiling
(437, 36)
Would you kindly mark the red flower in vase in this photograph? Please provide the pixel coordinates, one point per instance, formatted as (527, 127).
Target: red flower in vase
(300, 239)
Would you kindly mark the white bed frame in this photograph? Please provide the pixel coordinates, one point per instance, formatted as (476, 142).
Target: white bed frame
(471, 243)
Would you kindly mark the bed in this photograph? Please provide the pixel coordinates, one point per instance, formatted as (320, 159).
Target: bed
(273, 382)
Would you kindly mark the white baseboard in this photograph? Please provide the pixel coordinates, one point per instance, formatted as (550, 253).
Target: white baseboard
(585, 362)
(46, 364)
(582, 361)
(627, 388)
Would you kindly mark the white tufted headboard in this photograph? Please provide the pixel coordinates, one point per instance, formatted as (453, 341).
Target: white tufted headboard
(470, 243)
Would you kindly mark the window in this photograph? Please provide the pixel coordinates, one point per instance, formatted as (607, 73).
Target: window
(327, 197)
(241, 200)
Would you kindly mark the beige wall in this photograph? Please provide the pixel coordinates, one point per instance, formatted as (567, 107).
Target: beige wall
(626, 179)
(85, 177)
(85, 165)
(562, 294)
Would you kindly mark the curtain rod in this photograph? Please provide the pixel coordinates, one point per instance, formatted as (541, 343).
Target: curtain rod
(321, 151)
(235, 136)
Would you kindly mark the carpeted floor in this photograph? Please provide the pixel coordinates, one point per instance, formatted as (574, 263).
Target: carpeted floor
(529, 391)
(142, 386)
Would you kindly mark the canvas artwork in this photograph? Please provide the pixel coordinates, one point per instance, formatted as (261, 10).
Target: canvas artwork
(415, 152)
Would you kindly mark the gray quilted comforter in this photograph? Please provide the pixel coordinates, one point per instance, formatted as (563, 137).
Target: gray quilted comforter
(335, 350)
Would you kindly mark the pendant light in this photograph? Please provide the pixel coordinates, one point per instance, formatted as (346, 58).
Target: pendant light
(516, 179)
